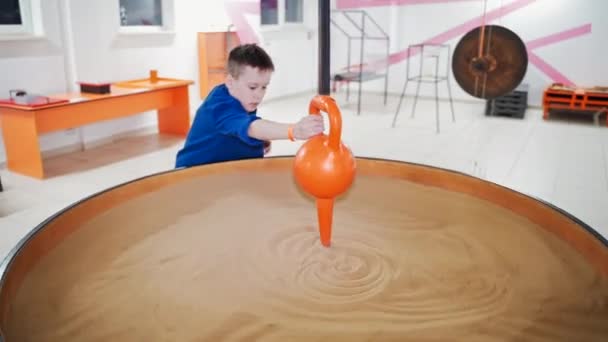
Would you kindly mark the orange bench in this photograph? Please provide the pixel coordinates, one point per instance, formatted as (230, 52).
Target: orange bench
(21, 125)
(558, 96)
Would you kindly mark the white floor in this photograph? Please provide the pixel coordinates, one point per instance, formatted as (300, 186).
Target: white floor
(562, 161)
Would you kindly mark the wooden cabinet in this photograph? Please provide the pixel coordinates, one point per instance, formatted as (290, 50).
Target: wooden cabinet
(213, 50)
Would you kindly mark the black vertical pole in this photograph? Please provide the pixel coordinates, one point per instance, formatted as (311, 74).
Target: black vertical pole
(324, 38)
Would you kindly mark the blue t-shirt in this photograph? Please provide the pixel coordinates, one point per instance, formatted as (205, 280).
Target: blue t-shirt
(219, 132)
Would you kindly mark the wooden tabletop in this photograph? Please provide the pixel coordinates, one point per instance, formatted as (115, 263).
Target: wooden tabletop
(122, 88)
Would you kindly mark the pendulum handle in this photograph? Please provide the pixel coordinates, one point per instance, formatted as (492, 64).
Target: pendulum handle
(325, 206)
(328, 104)
(483, 29)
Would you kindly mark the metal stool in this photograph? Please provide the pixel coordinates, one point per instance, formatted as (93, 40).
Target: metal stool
(433, 52)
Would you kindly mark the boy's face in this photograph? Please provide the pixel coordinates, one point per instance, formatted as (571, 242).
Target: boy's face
(250, 87)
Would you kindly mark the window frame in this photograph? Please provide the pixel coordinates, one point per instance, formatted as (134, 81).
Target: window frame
(281, 22)
(26, 27)
(167, 25)
(282, 11)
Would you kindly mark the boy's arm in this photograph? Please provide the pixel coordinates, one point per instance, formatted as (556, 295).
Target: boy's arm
(268, 130)
(307, 127)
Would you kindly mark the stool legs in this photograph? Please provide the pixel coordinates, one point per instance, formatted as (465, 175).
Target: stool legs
(400, 100)
(436, 78)
(451, 102)
(415, 99)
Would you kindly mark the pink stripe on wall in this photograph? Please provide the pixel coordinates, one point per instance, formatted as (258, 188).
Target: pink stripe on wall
(558, 37)
(348, 4)
(236, 11)
(548, 70)
(456, 31)
(478, 21)
(545, 67)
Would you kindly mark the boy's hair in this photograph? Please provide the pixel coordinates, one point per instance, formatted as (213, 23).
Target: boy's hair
(248, 54)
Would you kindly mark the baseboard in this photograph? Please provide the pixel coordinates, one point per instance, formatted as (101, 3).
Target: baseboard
(76, 147)
(425, 97)
(54, 152)
(310, 92)
(145, 130)
(372, 92)
(341, 93)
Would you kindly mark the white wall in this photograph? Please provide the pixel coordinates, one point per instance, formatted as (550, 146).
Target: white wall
(293, 50)
(81, 42)
(37, 65)
(101, 53)
(580, 59)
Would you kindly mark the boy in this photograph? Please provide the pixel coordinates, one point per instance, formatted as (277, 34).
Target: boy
(226, 126)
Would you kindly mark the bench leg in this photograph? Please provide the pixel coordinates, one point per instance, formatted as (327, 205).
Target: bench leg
(176, 119)
(21, 143)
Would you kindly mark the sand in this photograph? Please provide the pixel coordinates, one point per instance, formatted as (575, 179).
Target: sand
(237, 257)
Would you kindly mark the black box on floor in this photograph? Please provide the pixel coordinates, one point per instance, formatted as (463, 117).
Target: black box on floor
(95, 88)
(513, 104)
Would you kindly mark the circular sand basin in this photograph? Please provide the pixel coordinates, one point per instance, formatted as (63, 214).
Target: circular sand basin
(231, 252)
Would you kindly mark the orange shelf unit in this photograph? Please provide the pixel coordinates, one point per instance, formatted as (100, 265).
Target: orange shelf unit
(22, 125)
(562, 97)
(213, 50)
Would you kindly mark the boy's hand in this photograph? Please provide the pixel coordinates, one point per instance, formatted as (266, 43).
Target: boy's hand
(267, 144)
(308, 127)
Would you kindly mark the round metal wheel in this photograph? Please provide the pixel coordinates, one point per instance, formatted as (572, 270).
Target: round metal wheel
(501, 67)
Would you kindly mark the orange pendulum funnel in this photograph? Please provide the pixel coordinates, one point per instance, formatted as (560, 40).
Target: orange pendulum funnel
(325, 167)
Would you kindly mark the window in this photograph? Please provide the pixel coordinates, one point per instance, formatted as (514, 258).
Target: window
(146, 16)
(141, 13)
(15, 16)
(280, 12)
(270, 12)
(10, 13)
(293, 11)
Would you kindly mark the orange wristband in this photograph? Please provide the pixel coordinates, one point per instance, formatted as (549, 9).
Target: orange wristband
(290, 133)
